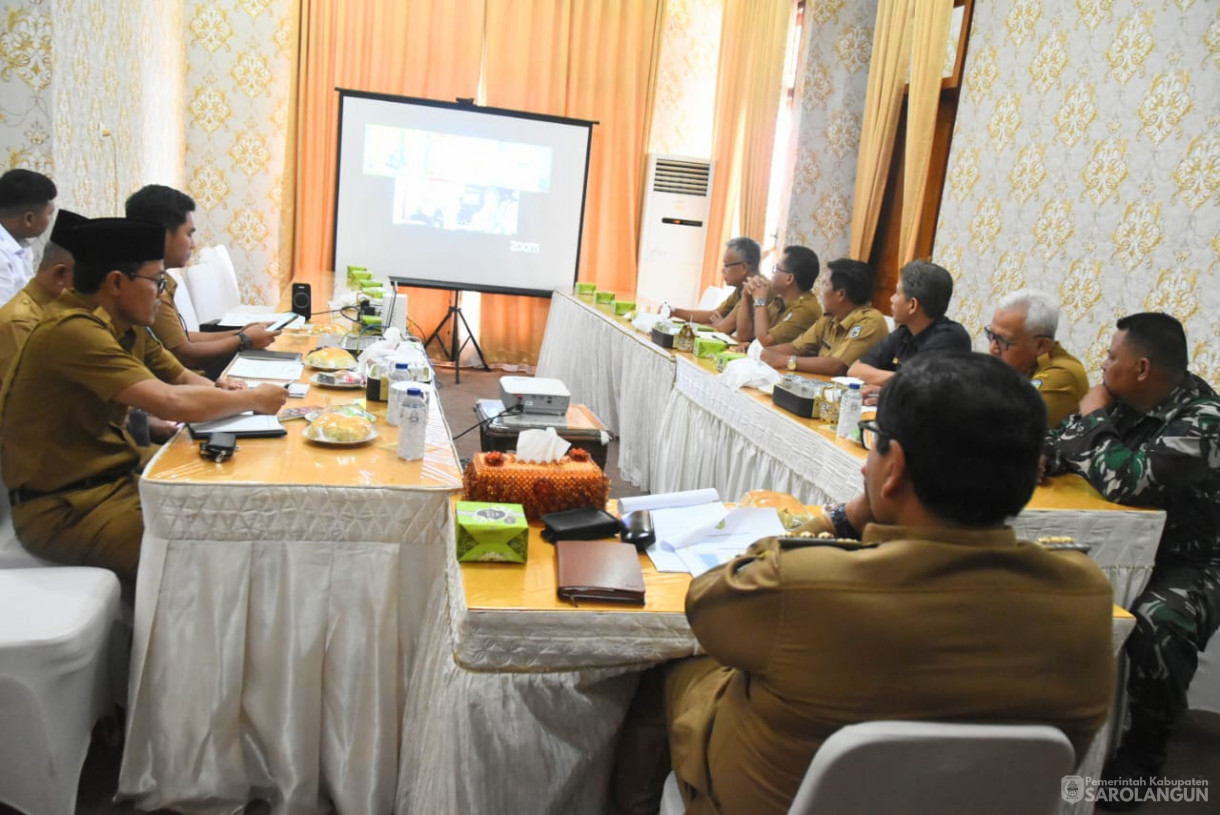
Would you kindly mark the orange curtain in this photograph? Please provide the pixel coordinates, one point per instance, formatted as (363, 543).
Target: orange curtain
(929, 40)
(404, 47)
(586, 61)
(887, 74)
(749, 82)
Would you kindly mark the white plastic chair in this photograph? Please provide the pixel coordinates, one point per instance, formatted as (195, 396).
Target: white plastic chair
(927, 768)
(56, 626)
(213, 284)
(182, 300)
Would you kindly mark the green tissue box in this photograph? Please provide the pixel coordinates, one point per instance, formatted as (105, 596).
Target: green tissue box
(725, 357)
(624, 306)
(358, 273)
(492, 532)
(585, 289)
(703, 328)
(603, 297)
(708, 347)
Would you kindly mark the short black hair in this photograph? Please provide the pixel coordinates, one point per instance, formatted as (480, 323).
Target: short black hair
(165, 205)
(54, 254)
(854, 278)
(88, 277)
(930, 284)
(971, 428)
(748, 248)
(1159, 337)
(802, 262)
(24, 190)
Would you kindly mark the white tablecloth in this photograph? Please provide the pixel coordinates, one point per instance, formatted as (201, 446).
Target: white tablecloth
(275, 627)
(719, 437)
(614, 370)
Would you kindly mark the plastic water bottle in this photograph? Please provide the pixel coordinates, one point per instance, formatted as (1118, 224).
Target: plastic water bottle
(412, 425)
(401, 372)
(849, 413)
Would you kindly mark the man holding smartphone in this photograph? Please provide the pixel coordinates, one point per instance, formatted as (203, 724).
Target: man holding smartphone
(208, 352)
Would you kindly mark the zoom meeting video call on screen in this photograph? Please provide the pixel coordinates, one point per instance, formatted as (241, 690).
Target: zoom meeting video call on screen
(458, 195)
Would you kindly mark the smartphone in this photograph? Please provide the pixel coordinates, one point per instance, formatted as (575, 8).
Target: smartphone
(283, 322)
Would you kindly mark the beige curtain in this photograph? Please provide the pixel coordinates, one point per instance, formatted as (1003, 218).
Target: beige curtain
(583, 60)
(405, 47)
(887, 73)
(930, 39)
(749, 82)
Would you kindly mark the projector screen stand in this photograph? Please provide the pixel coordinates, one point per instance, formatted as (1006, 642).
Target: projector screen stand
(455, 314)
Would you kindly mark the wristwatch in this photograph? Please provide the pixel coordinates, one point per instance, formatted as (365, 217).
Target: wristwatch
(792, 363)
(244, 343)
(842, 526)
(760, 301)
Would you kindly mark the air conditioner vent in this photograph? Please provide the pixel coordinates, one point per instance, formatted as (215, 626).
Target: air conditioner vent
(681, 177)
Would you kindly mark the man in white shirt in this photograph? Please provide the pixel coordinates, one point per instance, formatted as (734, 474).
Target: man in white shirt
(27, 202)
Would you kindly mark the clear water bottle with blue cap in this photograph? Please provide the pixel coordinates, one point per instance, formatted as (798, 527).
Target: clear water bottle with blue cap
(412, 425)
(849, 412)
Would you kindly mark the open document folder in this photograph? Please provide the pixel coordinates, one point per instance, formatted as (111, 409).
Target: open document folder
(696, 531)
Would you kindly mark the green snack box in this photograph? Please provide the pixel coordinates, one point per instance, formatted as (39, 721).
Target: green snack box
(624, 306)
(492, 532)
(370, 319)
(603, 297)
(703, 328)
(585, 289)
(725, 357)
(358, 273)
(708, 347)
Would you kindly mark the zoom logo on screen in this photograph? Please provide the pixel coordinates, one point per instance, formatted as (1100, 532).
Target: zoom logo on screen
(524, 246)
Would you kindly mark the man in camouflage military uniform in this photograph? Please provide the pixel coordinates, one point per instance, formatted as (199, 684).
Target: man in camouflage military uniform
(781, 309)
(1150, 436)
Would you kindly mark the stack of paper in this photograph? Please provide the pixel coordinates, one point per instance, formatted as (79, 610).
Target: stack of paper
(697, 532)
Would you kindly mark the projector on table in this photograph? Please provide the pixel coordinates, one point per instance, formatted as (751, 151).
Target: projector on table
(534, 394)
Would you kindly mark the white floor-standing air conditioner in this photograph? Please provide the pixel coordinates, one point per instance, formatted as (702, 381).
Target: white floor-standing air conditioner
(673, 229)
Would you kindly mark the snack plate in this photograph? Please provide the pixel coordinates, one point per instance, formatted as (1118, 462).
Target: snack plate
(338, 386)
(346, 410)
(331, 368)
(372, 435)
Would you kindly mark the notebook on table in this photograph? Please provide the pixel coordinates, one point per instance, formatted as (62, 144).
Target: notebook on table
(599, 570)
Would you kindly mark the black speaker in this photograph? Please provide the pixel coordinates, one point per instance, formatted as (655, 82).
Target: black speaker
(302, 300)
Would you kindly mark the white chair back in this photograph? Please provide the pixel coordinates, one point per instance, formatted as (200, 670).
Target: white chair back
(713, 296)
(12, 554)
(213, 284)
(182, 300)
(914, 768)
(889, 322)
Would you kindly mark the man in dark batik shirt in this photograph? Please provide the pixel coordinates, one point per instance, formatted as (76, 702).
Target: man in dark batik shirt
(1150, 436)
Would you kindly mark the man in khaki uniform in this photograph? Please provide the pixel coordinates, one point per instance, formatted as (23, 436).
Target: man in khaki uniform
(740, 263)
(1022, 333)
(849, 327)
(19, 315)
(784, 307)
(937, 613)
(68, 461)
(203, 351)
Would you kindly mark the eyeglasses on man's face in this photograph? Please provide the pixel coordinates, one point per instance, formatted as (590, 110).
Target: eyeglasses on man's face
(1003, 342)
(160, 280)
(870, 433)
(731, 265)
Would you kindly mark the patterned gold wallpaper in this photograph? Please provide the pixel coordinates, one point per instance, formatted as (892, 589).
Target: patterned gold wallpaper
(686, 79)
(191, 94)
(1086, 162)
(831, 86)
(117, 67)
(26, 92)
(240, 58)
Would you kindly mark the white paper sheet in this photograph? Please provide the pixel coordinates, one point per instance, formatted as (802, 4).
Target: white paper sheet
(278, 369)
(661, 500)
(244, 315)
(705, 546)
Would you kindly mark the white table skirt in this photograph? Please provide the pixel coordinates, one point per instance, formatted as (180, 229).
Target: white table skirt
(719, 437)
(618, 373)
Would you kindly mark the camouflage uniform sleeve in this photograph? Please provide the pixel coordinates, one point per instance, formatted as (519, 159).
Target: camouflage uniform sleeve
(1183, 453)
